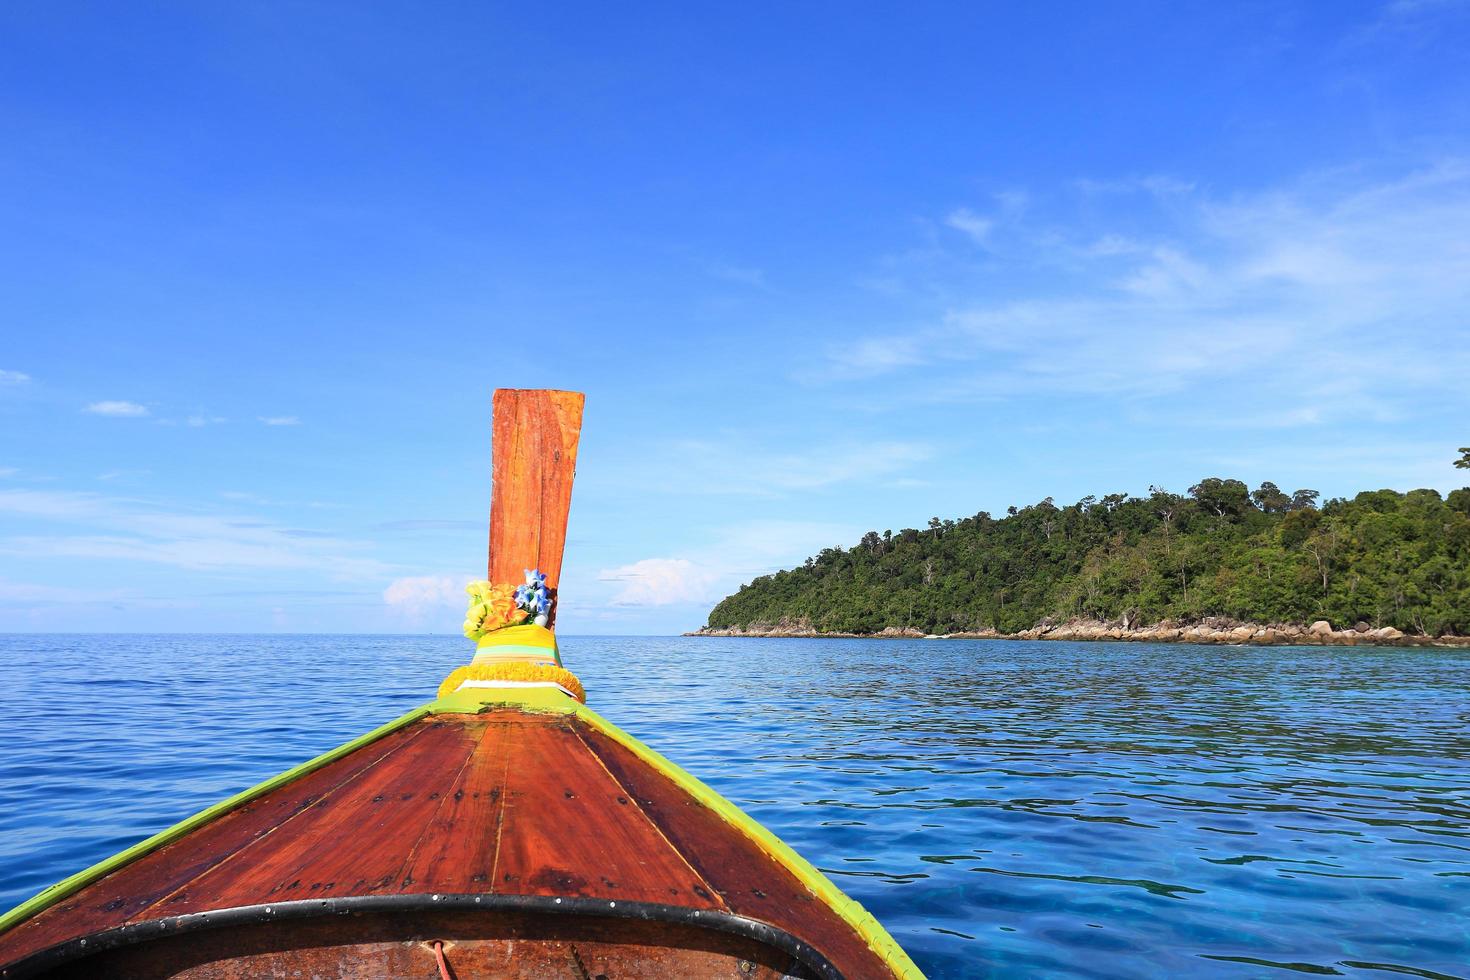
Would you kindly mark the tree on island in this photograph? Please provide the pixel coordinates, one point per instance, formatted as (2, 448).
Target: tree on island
(1381, 557)
(1463, 463)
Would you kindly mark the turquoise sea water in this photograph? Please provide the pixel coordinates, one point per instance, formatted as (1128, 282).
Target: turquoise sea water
(1005, 808)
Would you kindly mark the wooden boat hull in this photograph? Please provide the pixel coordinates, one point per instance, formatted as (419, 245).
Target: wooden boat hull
(515, 826)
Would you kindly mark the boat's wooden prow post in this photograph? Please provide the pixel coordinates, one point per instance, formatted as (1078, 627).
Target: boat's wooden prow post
(535, 451)
(512, 613)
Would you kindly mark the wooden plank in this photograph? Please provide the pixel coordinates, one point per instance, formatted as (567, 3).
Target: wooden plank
(112, 900)
(456, 850)
(569, 828)
(749, 880)
(535, 441)
(355, 841)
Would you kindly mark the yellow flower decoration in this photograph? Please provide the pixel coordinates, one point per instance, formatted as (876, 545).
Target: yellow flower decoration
(491, 607)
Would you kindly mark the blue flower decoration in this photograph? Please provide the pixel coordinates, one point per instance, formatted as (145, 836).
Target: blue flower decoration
(534, 597)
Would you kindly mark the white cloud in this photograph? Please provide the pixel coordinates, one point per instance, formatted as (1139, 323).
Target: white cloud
(660, 582)
(108, 528)
(1413, 21)
(421, 596)
(49, 504)
(13, 378)
(8, 471)
(734, 554)
(972, 224)
(874, 355)
(744, 275)
(1338, 297)
(280, 420)
(1114, 244)
(27, 592)
(245, 497)
(118, 409)
(980, 228)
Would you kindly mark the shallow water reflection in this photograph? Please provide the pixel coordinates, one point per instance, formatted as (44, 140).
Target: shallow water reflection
(1003, 807)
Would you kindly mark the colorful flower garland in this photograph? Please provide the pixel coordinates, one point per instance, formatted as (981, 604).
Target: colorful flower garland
(517, 672)
(494, 607)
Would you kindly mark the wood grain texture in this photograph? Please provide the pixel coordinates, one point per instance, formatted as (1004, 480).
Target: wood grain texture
(535, 437)
(356, 841)
(458, 843)
(748, 879)
(114, 899)
(505, 801)
(570, 828)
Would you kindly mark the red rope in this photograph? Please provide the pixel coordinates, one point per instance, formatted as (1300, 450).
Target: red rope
(444, 973)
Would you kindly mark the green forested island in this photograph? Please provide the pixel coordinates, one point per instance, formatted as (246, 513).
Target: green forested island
(1221, 552)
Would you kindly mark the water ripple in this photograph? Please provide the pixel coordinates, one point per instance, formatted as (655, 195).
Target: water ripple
(1077, 810)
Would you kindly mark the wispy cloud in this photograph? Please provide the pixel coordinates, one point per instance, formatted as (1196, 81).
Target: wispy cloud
(200, 421)
(1336, 297)
(732, 555)
(118, 409)
(27, 593)
(976, 227)
(430, 525)
(419, 597)
(744, 275)
(97, 527)
(660, 582)
(280, 420)
(981, 227)
(13, 378)
(1413, 21)
(246, 497)
(873, 355)
(747, 469)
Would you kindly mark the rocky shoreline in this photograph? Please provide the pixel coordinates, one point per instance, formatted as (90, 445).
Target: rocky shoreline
(1210, 631)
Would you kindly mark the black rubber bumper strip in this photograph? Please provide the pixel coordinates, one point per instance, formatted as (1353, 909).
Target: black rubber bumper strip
(38, 964)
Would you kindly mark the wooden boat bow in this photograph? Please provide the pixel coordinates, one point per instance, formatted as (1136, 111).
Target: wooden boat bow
(508, 828)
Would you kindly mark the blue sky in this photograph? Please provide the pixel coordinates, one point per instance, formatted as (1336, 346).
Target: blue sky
(820, 268)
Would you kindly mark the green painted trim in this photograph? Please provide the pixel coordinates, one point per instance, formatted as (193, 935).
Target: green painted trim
(848, 909)
(468, 700)
(70, 886)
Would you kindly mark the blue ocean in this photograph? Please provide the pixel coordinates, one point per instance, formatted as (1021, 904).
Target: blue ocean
(1004, 808)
